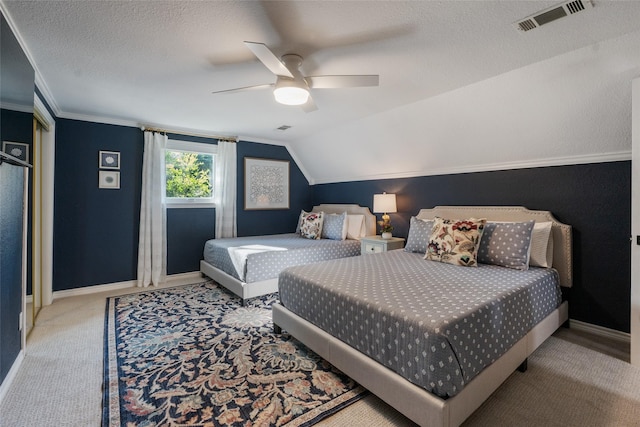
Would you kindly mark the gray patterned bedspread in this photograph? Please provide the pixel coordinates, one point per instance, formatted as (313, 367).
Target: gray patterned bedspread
(438, 325)
(267, 265)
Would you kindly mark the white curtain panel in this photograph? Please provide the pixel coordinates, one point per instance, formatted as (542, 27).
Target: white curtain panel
(225, 190)
(152, 246)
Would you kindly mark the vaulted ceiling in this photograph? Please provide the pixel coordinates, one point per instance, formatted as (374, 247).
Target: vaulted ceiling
(460, 88)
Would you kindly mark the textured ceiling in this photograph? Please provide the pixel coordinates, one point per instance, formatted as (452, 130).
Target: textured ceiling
(157, 62)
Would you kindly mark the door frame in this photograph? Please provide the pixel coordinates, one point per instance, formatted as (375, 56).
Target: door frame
(45, 195)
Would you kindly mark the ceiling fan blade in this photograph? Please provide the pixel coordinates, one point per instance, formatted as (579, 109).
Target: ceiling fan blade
(238, 89)
(264, 54)
(309, 106)
(331, 82)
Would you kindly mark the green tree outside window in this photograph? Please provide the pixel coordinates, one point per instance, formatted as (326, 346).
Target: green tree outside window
(188, 174)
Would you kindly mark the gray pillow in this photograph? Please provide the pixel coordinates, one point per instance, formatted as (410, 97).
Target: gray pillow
(419, 232)
(507, 244)
(334, 226)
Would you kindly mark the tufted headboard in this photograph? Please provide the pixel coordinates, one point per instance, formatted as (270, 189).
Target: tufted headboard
(370, 219)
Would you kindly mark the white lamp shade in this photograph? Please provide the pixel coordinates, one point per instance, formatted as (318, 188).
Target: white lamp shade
(291, 92)
(291, 95)
(384, 203)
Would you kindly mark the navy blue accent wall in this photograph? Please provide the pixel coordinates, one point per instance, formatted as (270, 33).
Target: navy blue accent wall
(95, 230)
(17, 127)
(594, 198)
(259, 222)
(187, 231)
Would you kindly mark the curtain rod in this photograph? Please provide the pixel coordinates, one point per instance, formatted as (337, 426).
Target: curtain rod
(200, 135)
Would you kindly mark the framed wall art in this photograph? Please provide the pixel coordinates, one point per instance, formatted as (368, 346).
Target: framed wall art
(109, 160)
(109, 179)
(19, 150)
(266, 184)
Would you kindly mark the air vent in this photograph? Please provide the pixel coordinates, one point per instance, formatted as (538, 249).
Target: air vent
(553, 13)
(283, 128)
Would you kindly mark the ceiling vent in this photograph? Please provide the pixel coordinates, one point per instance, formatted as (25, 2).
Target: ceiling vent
(553, 13)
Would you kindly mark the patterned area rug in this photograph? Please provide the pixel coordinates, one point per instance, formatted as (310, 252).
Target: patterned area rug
(192, 356)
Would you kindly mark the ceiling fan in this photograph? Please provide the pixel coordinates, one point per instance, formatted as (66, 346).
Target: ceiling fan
(291, 87)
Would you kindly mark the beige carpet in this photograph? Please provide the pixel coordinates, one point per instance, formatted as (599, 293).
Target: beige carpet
(59, 383)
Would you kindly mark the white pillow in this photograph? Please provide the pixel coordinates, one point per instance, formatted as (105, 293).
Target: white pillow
(355, 227)
(541, 245)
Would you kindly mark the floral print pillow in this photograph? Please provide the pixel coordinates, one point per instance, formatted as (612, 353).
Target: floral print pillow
(455, 241)
(311, 224)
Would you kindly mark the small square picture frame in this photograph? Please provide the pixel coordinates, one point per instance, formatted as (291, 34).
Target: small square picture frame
(109, 160)
(19, 150)
(109, 180)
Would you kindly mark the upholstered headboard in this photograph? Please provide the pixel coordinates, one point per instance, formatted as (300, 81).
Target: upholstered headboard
(562, 241)
(369, 218)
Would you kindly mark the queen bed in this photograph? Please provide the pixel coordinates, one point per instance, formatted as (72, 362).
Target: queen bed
(249, 266)
(433, 339)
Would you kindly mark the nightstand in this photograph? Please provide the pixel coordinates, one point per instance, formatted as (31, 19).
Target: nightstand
(376, 244)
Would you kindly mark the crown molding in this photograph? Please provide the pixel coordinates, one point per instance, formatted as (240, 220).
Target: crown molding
(16, 107)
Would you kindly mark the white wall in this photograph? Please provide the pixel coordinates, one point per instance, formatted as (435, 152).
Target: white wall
(635, 228)
(573, 108)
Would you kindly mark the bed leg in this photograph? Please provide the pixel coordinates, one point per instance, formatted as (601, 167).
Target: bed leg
(523, 366)
(277, 329)
(243, 302)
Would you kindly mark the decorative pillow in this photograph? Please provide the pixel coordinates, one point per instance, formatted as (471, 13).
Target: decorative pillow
(302, 214)
(455, 241)
(311, 225)
(506, 244)
(419, 233)
(355, 226)
(334, 226)
(541, 245)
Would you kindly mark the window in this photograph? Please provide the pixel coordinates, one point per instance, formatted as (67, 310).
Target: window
(189, 174)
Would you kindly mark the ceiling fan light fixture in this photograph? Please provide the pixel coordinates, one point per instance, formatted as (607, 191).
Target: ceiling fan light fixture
(290, 92)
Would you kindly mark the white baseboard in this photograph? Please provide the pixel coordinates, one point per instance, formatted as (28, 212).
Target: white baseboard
(600, 331)
(11, 375)
(86, 290)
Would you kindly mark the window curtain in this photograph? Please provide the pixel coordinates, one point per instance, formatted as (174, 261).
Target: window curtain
(225, 190)
(152, 245)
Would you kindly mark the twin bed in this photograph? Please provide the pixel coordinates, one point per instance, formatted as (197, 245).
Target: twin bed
(432, 339)
(249, 266)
